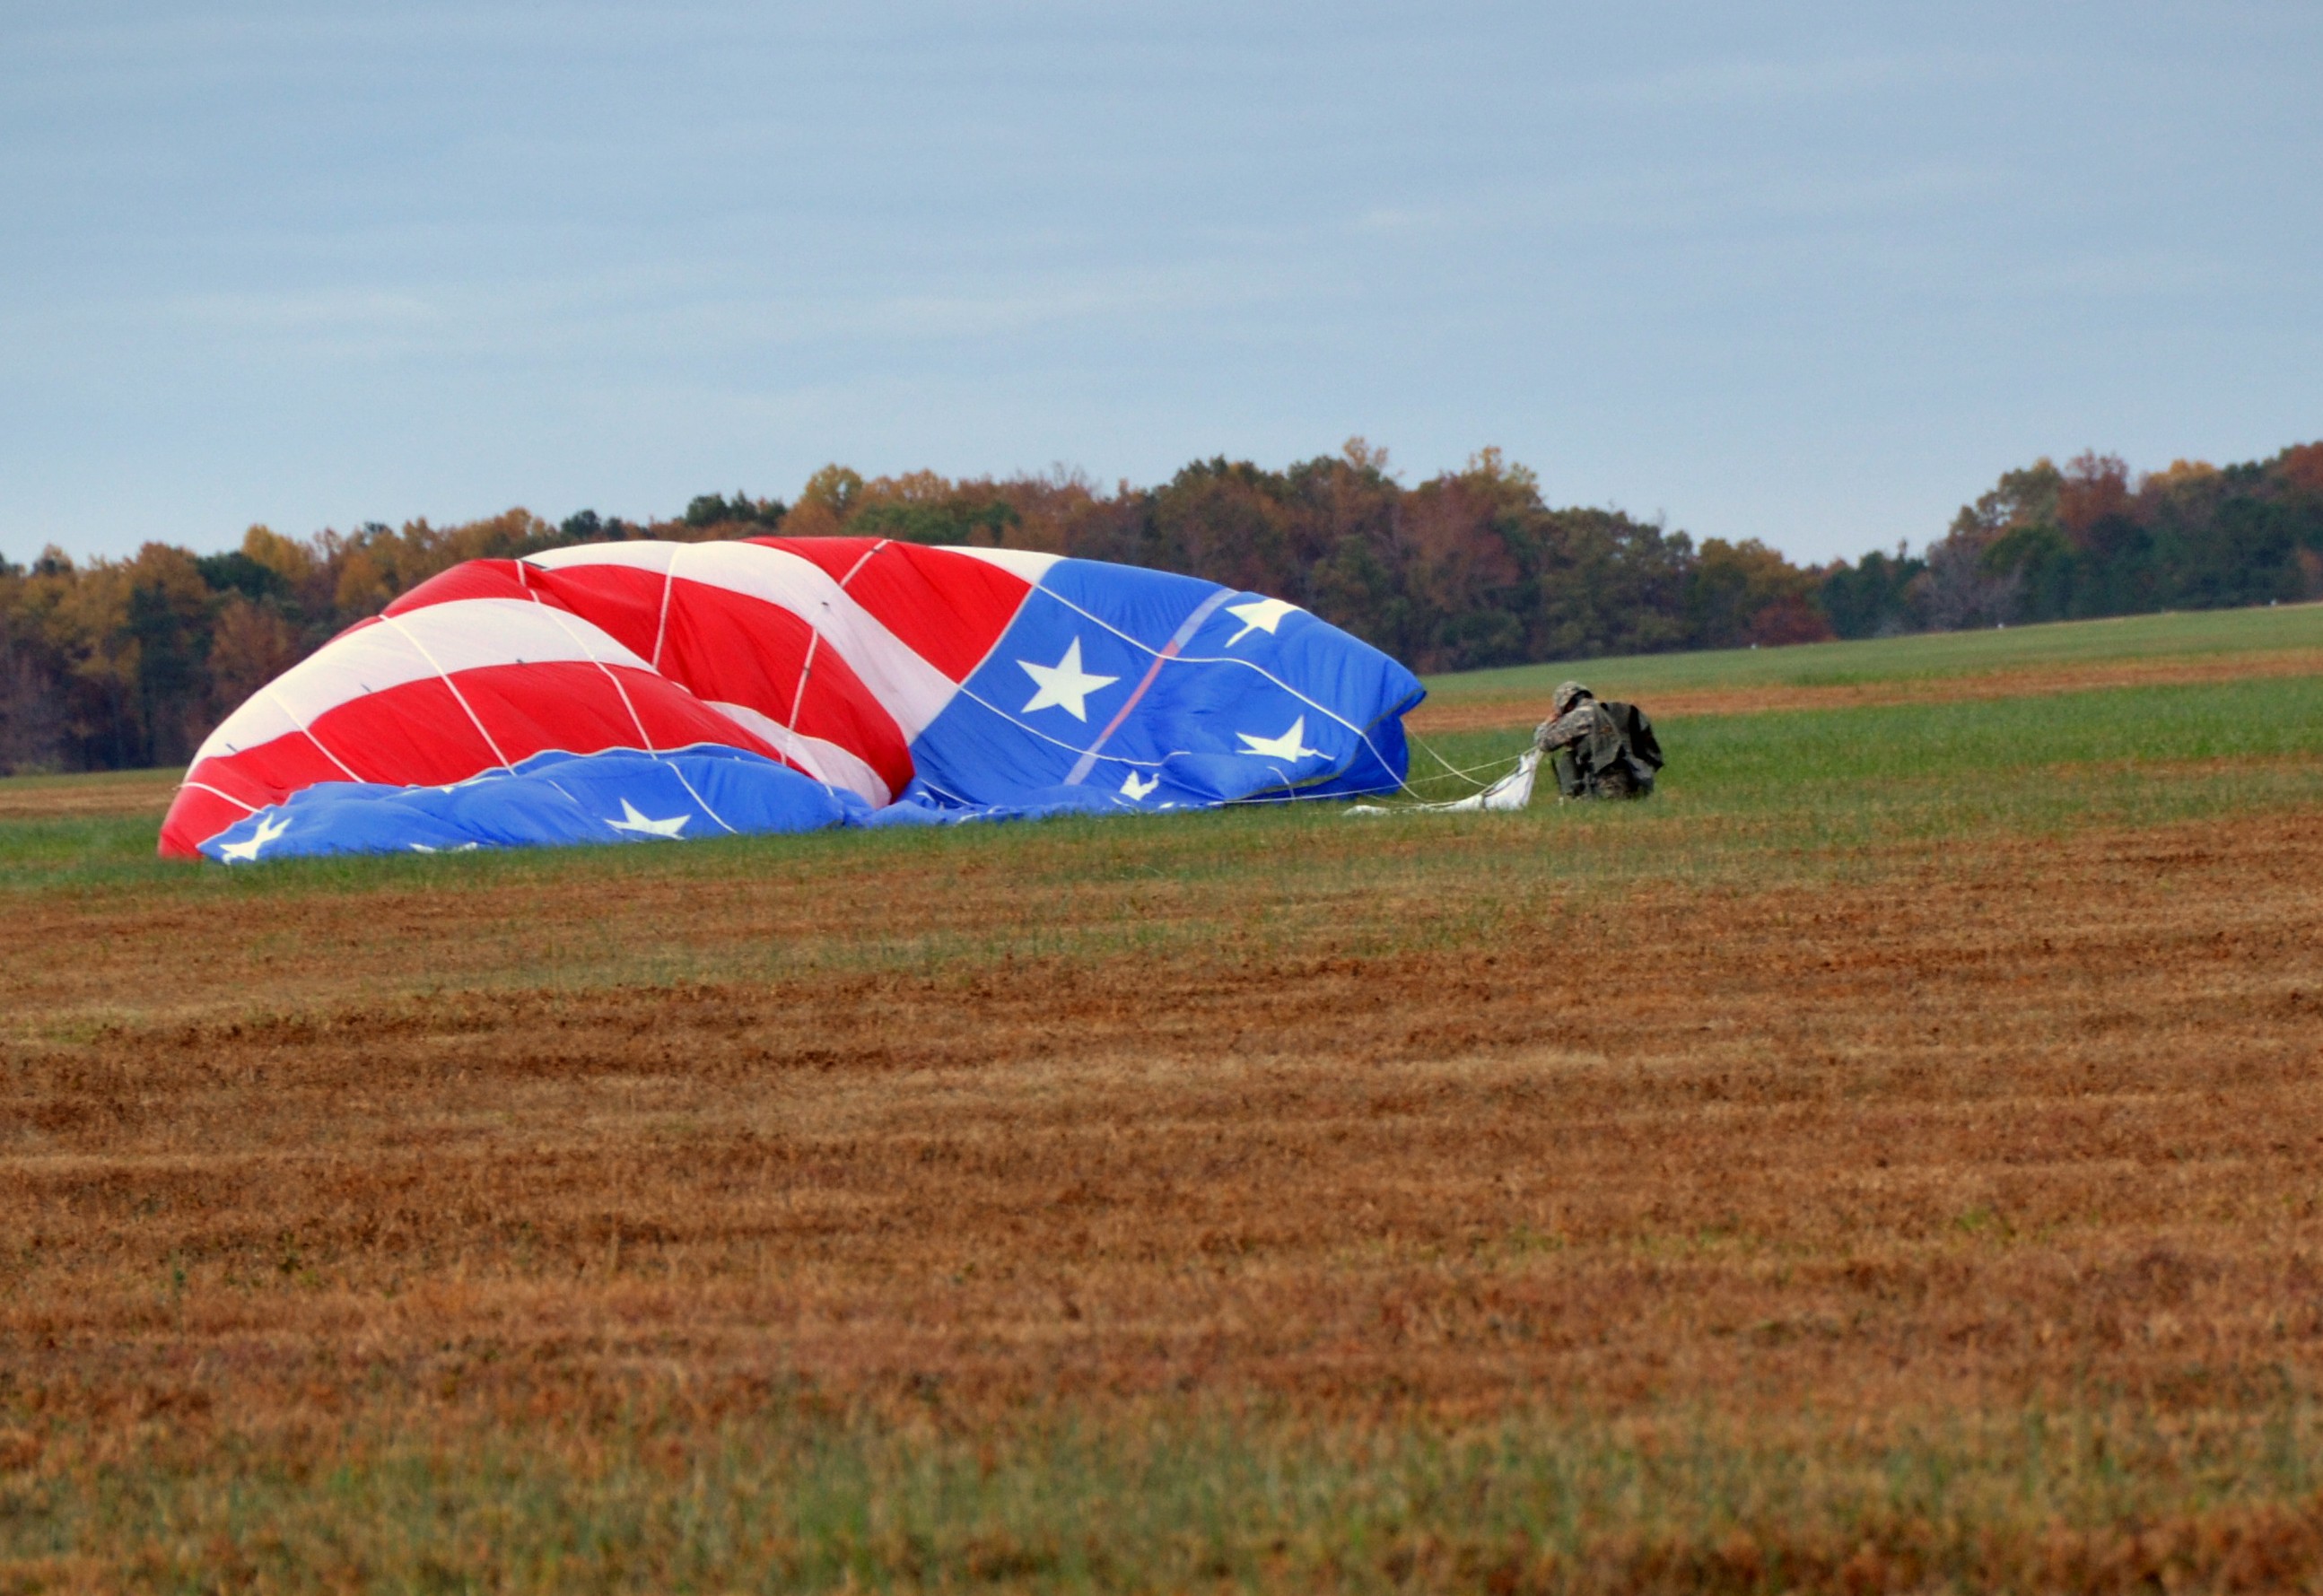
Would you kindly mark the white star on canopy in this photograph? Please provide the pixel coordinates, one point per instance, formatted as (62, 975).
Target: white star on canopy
(1260, 615)
(1132, 787)
(1290, 744)
(1064, 685)
(268, 830)
(632, 820)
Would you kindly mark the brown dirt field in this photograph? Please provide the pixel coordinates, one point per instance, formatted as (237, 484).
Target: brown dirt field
(1950, 1135)
(1491, 714)
(125, 793)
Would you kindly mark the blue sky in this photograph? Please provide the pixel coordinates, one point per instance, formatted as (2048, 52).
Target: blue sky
(1812, 273)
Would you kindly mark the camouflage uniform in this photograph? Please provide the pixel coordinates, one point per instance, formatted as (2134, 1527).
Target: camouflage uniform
(1587, 748)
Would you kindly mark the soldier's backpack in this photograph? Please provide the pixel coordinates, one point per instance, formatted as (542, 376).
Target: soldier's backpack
(1637, 739)
(1626, 772)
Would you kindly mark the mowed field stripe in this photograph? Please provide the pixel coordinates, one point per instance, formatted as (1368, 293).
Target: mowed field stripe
(1486, 713)
(1834, 1126)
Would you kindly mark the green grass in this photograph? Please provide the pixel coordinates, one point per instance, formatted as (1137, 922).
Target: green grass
(791, 1497)
(1748, 804)
(1905, 770)
(1745, 798)
(1932, 654)
(2139, 754)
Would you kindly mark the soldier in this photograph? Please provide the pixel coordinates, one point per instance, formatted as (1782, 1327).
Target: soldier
(1600, 750)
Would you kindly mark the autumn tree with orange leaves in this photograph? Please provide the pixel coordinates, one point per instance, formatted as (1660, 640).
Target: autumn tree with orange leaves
(111, 662)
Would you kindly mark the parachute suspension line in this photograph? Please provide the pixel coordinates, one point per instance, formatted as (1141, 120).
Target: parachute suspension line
(1134, 641)
(582, 643)
(1325, 710)
(203, 786)
(1032, 731)
(798, 699)
(300, 722)
(806, 665)
(637, 720)
(698, 798)
(806, 670)
(955, 797)
(861, 561)
(1469, 775)
(668, 581)
(1290, 788)
(458, 697)
(1169, 651)
(1417, 742)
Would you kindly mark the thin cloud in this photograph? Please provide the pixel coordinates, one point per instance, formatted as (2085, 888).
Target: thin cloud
(1766, 81)
(347, 310)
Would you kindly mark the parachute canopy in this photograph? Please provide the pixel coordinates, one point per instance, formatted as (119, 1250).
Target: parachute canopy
(634, 691)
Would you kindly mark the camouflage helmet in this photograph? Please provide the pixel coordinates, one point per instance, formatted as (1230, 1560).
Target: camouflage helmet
(1567, 694)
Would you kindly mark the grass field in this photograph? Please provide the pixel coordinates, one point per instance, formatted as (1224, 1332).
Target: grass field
(1892, 1159)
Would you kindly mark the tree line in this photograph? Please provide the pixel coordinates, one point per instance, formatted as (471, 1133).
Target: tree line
(2093, 539)
(111, 664)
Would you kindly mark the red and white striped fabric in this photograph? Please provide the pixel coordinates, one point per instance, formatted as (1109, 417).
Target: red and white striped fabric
(830, 655)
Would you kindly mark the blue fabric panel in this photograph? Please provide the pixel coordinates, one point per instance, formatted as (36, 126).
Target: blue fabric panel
(551, 799)
(1228, 696)
(1041, 805)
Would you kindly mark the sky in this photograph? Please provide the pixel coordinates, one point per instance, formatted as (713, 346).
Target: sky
(1812, 273)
